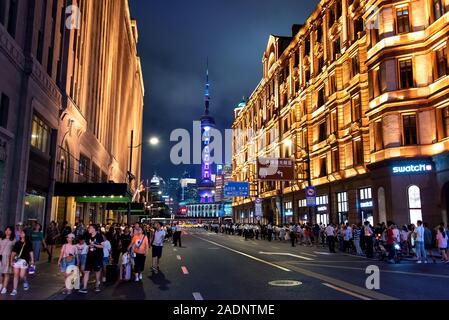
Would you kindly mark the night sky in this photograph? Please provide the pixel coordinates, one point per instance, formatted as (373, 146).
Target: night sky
(175, 39)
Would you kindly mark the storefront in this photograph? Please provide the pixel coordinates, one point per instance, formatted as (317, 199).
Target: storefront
(365, 205)
(288, 212)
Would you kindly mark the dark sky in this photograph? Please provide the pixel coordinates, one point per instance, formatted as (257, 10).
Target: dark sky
(175, 39)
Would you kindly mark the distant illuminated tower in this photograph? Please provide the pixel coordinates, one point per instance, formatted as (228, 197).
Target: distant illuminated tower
(206, 187)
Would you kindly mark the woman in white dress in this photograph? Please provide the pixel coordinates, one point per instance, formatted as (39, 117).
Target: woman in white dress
(6, 245)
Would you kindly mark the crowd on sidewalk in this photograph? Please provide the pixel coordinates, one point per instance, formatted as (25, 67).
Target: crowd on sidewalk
(385, 241)
(111, 252)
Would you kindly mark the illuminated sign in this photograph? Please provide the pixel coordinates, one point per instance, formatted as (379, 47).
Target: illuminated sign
(321, 208)
(236, 189)
(288, 213)
(366, 204)
(412, 168)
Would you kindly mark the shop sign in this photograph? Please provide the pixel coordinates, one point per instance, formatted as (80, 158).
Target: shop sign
(366, 204)
(321, 208)
(418, 167)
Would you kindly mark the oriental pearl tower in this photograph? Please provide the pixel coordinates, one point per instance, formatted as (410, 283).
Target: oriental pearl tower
(206, 187)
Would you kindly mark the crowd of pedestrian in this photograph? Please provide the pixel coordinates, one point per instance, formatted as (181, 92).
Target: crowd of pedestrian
(109, 251)
(386, 241)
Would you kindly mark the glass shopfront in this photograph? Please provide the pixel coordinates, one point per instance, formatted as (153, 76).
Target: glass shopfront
(34, 208)
(322, 210)
(366, 205)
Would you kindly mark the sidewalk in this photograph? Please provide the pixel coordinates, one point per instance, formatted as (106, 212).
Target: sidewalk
(46, 284)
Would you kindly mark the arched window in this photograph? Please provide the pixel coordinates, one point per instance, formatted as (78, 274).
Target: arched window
(414, 204)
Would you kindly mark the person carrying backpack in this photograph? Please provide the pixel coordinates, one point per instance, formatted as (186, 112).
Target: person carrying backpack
(139, 247)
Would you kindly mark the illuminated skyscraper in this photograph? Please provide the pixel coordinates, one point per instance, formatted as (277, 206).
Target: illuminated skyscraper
(206, 186)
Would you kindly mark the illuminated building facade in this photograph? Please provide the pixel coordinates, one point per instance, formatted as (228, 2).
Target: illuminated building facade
(358, 97)
(71, 93)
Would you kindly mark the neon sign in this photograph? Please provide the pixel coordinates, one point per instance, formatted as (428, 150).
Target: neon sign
(366, 204)
(321, 208)
(412, 168)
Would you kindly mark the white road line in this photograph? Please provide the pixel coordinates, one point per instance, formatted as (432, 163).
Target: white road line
(184, 270)
(247, 255)
(178, 257)
(197, 296)
(309, 254)
(347, 292)
(286, 254)
(323, 253)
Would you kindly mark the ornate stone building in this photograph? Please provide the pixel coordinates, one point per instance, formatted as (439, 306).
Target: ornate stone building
(71, 93)
(358, 97)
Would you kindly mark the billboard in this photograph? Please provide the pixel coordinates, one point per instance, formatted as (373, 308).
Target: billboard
(275, 169)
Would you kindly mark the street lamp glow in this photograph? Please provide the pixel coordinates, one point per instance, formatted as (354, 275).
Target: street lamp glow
(154, 141)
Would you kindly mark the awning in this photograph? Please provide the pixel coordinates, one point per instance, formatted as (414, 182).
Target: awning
(136, 208)
(94, 192)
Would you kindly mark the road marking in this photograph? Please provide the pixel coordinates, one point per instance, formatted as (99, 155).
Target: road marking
(174, 249)
(178, 257)
(286, 254)
(184, 270)
(347, 292)
(275, 247)
(247, 255)
(309, 254)
(197, 296)
(285, 283)
(323, 253)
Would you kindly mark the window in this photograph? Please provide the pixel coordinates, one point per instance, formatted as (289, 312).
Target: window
(446, 121)
(307, 46)
(2, 12)
(323, 168)
(402, 20)
(319, 33)
(95, 173)
(336, 48)
(414, 204)
(332, 84)
(321, 98)
(335, 160)
(374, 83)
(307, 76)
(4, 109)
(322, 134)
(320, 64)
(12, 17)
(374, 33)
(365, 194)
(84, 167)
(322, 200)
(356, 108)
(331, 17)
(406, 73)
(378, 136)
(302, 203)
(358, 152)
(355, 65)
(359, 27)
(441, 62)
(334, 121)
(410, 133)
(438, 9)
(342, 202)
(40, 135)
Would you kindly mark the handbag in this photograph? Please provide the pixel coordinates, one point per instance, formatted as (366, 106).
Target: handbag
(1, 258)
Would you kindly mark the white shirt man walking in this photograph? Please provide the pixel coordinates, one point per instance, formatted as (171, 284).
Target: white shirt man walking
(419, 243)
(330, 234)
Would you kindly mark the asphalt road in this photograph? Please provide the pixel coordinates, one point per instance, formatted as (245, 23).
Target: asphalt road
(213, 266)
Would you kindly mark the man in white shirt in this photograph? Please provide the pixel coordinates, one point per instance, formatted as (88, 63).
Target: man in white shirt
(157, 243)
(330, 234)
(419, 243)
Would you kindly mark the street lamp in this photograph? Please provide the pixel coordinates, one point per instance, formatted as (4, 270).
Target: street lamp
(154, 141)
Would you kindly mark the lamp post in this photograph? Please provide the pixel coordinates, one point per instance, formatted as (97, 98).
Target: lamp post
(154, 141)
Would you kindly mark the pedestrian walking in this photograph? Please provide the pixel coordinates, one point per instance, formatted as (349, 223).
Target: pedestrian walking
(442, 241)
(67, 258)
(347, 238)
(357, 232)
(177, 235)
(94, 259)
(22, 257)
(82, 250)
(368, 236)
(6, 246)
(293, 235)
(37, 237)
(139, 249)
(428, 241)
(270, 232)
(107, 248)
(157, 243)
(418, 236)
(50, 239)
(330, 234)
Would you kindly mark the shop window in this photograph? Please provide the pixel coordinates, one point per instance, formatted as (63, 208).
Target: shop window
(322, 200)
(365, 194)
(40, 135)
(342, 202)
(441, 66)
(410, 132)
(302, 203)
(406, 74)
(414, 204)
(402, 20)
(4, 110)
(438, 9)
(34, 207)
